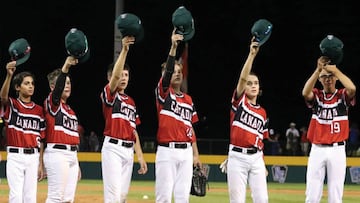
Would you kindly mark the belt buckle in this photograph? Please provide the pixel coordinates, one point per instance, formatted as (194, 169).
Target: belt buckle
(171, 145)
(68, 147)
(244, 150)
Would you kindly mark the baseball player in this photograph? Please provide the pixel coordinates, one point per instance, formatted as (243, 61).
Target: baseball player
(248, 129)
(25, 128)
(177, 150)
(121, 136)
(62, 137)
(328, 130)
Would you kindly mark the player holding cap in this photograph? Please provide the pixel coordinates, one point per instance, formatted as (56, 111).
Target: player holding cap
(25, 128)
(62, 132)
(121, 137)
(329, 124)
(248, 128)
(177, 151)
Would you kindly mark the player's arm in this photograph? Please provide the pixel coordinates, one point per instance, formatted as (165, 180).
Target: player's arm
(170, 61)
(120, 62)
(310, 83)
(41, 171)
(195, 149)
(345, 80)
(245, 71)
(60, 81)
(10, 68)
(196, 156)
(143, 166)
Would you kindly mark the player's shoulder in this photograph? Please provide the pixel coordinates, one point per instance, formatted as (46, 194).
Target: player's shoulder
(129, 98)
(38, 106)
(187, 96)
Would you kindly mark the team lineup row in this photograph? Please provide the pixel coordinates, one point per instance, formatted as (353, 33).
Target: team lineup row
(42, 140)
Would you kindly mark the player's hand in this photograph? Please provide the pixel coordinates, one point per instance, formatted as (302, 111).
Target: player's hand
(79, 174)
(41, 173)
(223, 166)
(143, 167)
(331, 69)
(127, 41)
(254, 46)
(176, 38)
(266, 172)
(71, 61)
(11, 67)
(322, 62)
(197, 162)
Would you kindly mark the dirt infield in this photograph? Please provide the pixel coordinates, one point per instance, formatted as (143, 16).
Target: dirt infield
(85, 193)
(92, 191)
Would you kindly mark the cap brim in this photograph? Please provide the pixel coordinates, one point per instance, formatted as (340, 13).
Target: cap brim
(262, 38)
(189, 36)
(335, 57)
(266, 37)
(23, 59)
(85, 57)
(140, 36)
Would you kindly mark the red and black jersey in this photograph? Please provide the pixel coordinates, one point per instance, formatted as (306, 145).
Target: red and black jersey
(61, 123)
(248, 123)
(121, 117)
(176, 114)
(25, 124)
(329, 121)
(106, 109)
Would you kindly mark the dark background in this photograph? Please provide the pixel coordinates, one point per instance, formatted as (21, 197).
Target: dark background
(216, 53)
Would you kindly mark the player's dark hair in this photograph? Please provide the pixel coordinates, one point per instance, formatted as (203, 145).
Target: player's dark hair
(19, 78)
(127, 67)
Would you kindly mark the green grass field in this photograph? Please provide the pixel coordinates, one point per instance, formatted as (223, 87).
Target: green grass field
(91, 191)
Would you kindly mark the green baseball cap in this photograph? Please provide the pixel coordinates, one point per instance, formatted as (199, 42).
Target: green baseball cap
(130, 25)
(332, 47)
(19, 51)
(261, 30)
(76, 45)
(183, 22)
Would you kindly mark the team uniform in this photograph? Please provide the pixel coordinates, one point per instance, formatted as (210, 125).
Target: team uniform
(328, 130)
(25, 127)
(60, 155)
(174, 155)
(248, 128)
(117, 154)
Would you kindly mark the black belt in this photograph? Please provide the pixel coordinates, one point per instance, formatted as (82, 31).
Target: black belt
(245, 150)
(60, 146)
(333, 144)
(176, 145)
(24, 150)
(124, 144)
